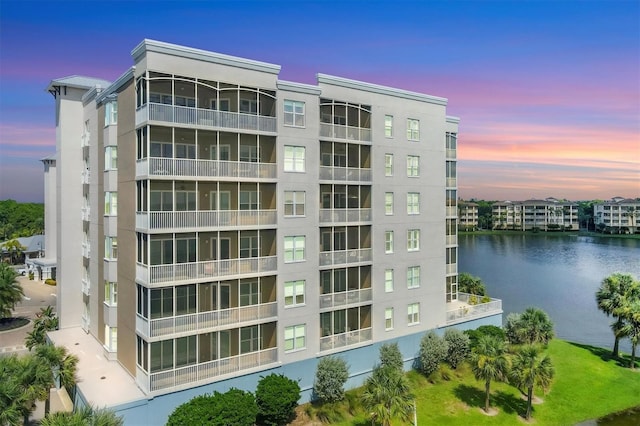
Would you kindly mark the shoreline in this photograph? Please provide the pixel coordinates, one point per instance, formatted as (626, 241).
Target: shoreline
(580, 233)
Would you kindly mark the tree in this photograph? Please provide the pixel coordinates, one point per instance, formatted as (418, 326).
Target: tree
(86, 416)
(10, 290)
(468, 283)
(612, 296)
(15, 250)
(390, 356)
(46, 320)
(483, 330)
(532, 326)
(433, 350)
(528, 370)
(62, 368)
(631, 314)
(489, 362)
(277, 397)
(24, 380)
(234, 407)
(331, 375)
(457, 346)
(387, 395)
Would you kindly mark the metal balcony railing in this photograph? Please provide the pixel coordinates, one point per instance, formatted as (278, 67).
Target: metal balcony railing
(345, 256)
(330, 300)
(184, 167)
(177, 220)
(349, 338)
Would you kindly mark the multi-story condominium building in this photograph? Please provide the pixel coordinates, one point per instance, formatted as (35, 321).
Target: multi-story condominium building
(215, 223)
(619, 215)
(467, 216)
(547, 215)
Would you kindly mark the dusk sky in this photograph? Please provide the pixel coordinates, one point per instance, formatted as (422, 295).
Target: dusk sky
(548, 92)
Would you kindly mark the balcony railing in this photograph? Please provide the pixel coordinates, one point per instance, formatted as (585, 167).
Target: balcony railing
(199, 372)
(201, 321)
(204, 219)
(345, 256)
(461, 311)
(451, 154)
(330, 300)
(86, 250)
(84, 140)
(345, 174)
(184, 167)
(204, 117)
(85, 177)
(85, 213)
(451, 240)
(349, 338)
(206, 269)
(86, 286)
(451, 211)
(337, 131)
(451, 182)
(345, 215)
(451, 268)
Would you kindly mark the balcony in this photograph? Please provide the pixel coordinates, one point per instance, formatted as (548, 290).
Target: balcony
(85, 213)
(85, 177)
(158, 274)
(86, 249)
(451, 154)
(164, 221)
(173, 168)
(345, 174)
(451, 268)
(461, 310)
(451, 211)
(331, 300)
(337, 341)
(192, 374)
(204, 117)
(86, 286)
(345, 215)
(345, 256)
(451, 182)
(451, 240)
(337, 131)
(204, 321)
(84, 139)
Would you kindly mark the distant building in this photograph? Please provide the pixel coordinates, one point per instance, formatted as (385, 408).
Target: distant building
(467, 216)
(549, 214)
(618, 216)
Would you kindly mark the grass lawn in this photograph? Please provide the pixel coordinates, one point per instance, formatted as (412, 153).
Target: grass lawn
(587, 385)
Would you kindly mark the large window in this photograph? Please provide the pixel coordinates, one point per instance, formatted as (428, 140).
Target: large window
(388, 203)
(413, 203)
(111, 248)
(294, 337)
(111, 113)
(294, 202)
(249, 246)
(249, 339)
(388, 242)
(413, 277)
(186, 201)
(388, 164)
(294, 249)
(186, 299)
(388, 126)
(110, 203)
(249, 200)
(294, 158)
(294, 293)
(111, 338)
(161, 201)
(186, 353)
(161, 356)
(161, 303)
(413, 240)
(111, 293)
(413, 313)
(293, 113)
(388, 319)
(249, 292)
(413, 129)
(388, 280)
(413, 166)
(111, 158)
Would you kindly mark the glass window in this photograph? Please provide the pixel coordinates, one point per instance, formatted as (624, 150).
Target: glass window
(186, 201)
(110, 113)
(413, 240)
(294, 158)
(413, 313)
(413, 277)
(249, 339)
(111, 293)
(161, 302)
(186, 299)
(388, 319)
(388, 126)
(293, 113)
(186, 353)
(161, 355)
(388, 280)
(413, 203)
(185, 250)
(388, 242)
(111, 158)
(294, 337)
(249, 293)
(388, 164)
(249, 200)
(413, 129)
(413, 166)
(249, 246)
(294, 202)
(111, 338)
(294, 293)
(110, 203)
(161, 201)
(294, 249)
(388, 203)
(111, 248)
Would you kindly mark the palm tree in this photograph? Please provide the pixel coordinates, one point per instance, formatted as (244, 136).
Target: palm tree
(387, 395)
(468, 283)
(62, 368)
(86, 416)
(535, 326)
(15, 250)
(489, 362)
(631, 314)
(530, 370)
(10, 290)
(611, 298)
(46, 320)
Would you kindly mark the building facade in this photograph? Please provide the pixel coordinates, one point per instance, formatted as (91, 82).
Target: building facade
(549, 214)
(219, 223)
(619, 215)
(467, 216)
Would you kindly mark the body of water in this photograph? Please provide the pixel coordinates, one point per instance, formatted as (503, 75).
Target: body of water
(559, 274)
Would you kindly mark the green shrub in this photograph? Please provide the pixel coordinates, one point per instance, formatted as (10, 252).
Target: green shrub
(433, 350)
(50, 281)
(484, 330)
(31, 276)
(457, 346)
(331, 375)
(234, 407)
(390, 356)
(277, 397)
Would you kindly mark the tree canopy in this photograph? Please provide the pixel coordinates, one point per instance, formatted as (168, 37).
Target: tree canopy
(20, 219)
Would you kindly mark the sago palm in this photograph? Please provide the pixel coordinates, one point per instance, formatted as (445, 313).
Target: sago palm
(528, 370)
(387, 396)
(489, 362)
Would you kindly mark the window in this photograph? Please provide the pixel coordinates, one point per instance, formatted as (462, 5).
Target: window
(111, 338)
(186, 353)
(388, 126)
(249, 339)
(249, 200)
(110, 113)
(413, 129)
(111, 158)
(413, 166)
(161, 303)
(388, 164)
(388, 319)
(293, 158)
(294, 293)
(294, 202)
(413, 277)
(413, 313)
(249, 293)
(111, 293)
(413, 203)
(294, 249)
(161, 356)
(249, 246)
(413, 240)
(186, 299)
(388, 242)
(186, 201)
(294, 337)
(388, 280)
(293, 113)
(249, 154)
(110, 248)
(161, 201)
(110, 203)
(388, 203)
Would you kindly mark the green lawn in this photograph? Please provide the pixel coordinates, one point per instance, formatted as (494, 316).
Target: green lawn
(587, 385)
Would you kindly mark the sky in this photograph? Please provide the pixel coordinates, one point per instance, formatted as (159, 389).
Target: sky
(548, 92)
